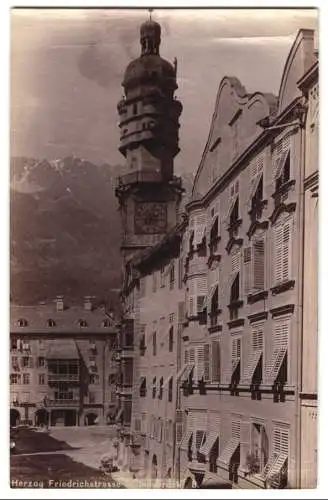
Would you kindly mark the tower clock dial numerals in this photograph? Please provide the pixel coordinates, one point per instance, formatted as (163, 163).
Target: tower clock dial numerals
(150, 217)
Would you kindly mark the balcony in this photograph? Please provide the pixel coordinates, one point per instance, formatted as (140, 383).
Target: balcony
(127, 352)
(63, 403)
(63, 377)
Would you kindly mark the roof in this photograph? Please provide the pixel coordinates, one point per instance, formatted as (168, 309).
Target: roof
(66, 321)
(145, 67)
(66, 349)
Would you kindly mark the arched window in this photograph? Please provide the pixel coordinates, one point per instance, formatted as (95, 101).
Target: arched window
(83, 323)
(51, 322)
(170, 391)
(171, 339)
(160, 394)
(154, 387)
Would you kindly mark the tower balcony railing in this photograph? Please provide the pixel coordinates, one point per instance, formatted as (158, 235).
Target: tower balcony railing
(138, 177)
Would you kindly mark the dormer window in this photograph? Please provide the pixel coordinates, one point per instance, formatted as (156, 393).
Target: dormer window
(22, 322)
(83, 323)
(51, 322)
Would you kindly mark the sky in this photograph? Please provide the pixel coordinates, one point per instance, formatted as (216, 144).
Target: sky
(67, 66)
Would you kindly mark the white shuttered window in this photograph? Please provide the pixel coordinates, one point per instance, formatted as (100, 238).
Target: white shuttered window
(282, 252)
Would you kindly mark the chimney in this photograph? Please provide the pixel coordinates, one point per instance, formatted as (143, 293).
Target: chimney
(60, 302)
(88, 303)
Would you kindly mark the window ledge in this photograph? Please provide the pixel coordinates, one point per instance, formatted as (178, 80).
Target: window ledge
(256, 296)
(284, 188)
(215, 328)
(283, 287)
(236, 304)
(236, 322)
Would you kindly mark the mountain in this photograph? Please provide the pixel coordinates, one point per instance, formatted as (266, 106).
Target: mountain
(65, 230)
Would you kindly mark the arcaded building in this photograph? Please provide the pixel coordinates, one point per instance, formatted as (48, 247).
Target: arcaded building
(62, 364)
(239, 359)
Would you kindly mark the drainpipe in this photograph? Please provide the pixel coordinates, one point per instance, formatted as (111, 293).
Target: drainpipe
(299, 320)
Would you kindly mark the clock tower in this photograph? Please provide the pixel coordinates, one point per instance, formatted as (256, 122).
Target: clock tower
(149, 194)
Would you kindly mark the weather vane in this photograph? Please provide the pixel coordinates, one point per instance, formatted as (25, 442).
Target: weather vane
(150, 11)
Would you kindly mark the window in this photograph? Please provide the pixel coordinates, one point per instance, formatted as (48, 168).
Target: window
(214, 312)
(111, 379)
(51, 322)
(200, 222)
(154, 387)
(172, 275)
(143, 387)
(170, 390)
(14, 362)
(276, 467)
(233, 444)
(282, 252)
(232, 375)
(284, 172)
(142, 286)
(22, 322)
(13, 344)
(234, 298)
(41, 362)
(27, 362)
(142, 344)
(259, 448)
(83, 323)
(42, 379)
(216, 362)
(92, 397)
(106, 323)
(94, 379)
(15, 378)
(26, 378)
(234, 214)
(202, 363)
(197, 293)
(135, 108)
(253, 371)
(277, 368)
(154, 344)
(233, 207)
(171, 339)
(160, 392)
(254, 266)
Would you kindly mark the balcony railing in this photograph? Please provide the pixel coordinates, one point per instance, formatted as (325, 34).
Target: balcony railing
(63, 377)
(63, 402)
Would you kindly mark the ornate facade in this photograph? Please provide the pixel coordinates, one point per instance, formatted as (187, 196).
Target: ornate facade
(62, 365)
(244, 372)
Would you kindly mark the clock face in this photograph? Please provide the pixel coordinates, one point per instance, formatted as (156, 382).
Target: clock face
(150, 218)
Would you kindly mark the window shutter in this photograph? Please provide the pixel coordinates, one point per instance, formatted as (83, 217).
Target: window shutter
(280, 441)
(181, 312)
(235, 429)
(235, 262)
(236, 349)
(216, 361)
(191, 306)
(247, 270)
(245, 442)
(199, 371)
(179, 426)
(186, 357)
(278, 254)
(259, 264)
(206, 362)
(286, 251)
(281, 334)
(257, 338)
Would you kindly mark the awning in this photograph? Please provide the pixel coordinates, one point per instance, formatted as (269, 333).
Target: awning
(188, 371)
(210, 295)
(65, 349)
(252, 364)
(228, 451)
(214, 481)
(280, 163)
(275, 364)
(119, 414)
(254, 186)
(185, 440)
(206, 448)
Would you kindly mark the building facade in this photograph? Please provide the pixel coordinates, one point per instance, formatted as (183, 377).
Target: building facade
(245, 372)
(62, 365)
(148, 192)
